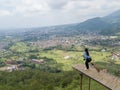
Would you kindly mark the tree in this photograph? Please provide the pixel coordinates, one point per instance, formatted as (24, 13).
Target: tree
(19, 47)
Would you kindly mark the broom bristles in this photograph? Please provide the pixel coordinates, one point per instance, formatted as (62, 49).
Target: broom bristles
(96, 67)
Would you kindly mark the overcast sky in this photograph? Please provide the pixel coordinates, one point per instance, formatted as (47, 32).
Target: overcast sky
(36, 13)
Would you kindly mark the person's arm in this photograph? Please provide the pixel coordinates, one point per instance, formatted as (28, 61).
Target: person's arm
(84, 56)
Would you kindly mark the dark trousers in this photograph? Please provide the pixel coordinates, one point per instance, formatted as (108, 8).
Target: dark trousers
(87, 64)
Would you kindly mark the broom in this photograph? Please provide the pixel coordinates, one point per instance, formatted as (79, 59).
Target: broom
(95, 66)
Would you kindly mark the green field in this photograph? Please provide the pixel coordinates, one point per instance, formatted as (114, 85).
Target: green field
(57, 72)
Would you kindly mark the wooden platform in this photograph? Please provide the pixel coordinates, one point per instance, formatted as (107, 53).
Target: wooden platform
(109, 81)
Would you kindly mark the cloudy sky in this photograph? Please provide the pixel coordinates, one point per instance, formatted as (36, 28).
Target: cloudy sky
(36, 13)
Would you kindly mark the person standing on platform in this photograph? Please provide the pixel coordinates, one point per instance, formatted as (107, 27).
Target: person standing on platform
(87, 58)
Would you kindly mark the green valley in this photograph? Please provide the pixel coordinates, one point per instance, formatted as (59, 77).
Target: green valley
(42, 58)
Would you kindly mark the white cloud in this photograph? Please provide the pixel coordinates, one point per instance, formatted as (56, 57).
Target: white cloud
(57, 4)
(28, 7)
(4, 13)
(55, 11)
(25, 7)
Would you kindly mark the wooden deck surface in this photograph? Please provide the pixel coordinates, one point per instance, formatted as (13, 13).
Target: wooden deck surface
(106, 79)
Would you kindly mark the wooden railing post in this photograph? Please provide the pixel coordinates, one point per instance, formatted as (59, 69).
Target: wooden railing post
(89, 83)
(81, 77)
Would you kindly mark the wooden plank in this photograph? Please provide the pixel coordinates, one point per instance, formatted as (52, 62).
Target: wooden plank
(109, 81)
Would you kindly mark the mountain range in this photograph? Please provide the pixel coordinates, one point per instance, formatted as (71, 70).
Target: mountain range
(103, 25)
(108, 25)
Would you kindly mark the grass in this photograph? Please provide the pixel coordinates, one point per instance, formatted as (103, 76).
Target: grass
(75, 57)
(59, 57)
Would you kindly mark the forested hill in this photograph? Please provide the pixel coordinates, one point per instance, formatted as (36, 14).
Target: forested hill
(94, 24)
(107, 25)
(113, 17)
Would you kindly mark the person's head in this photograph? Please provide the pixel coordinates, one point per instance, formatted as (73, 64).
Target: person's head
(86, 50)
